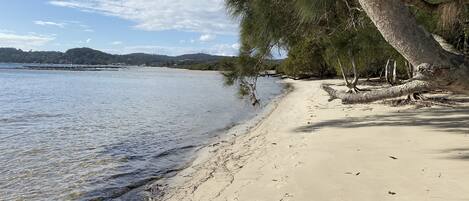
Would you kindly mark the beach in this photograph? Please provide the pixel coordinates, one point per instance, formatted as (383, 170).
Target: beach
(308, 148)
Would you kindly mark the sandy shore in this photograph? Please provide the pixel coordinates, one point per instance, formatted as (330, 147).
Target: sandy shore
(312, 149)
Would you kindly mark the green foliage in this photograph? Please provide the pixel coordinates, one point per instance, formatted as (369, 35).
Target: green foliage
(244, 73)
(305, 60)
(219, 65)
(319, 33)
(450, 20)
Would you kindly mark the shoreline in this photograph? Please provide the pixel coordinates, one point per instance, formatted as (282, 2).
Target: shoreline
(157, 189)
(172, 178)
(310, 149)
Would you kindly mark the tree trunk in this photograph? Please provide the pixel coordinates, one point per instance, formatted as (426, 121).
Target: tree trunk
(410, 70)
(391, 72)
(352, 86)
(437, 67)
(355, 72)
(347, 83)
(386, 71)
(371, 96)
(400, 29)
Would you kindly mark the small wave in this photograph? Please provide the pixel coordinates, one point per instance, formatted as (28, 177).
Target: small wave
(173, 151)
(112, 193)
(28, 118)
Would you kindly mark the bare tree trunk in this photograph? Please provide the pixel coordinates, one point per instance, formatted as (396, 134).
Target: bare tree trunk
(410, 70)
(386, 71)
(436, 67)
(347, 83)
(410, 74)
(352, 86)
(370, 96)
(355, 72)
(391, 72)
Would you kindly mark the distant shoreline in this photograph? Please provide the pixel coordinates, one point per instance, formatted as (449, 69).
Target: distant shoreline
(68, 67)
(75, 67)
(88, 56)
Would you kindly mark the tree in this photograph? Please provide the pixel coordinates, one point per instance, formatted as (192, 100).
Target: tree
(284, 23)
(297, 26)
(306, 60)
(437, 68)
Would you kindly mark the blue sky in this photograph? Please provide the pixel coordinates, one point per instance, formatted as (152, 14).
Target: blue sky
(171, 27)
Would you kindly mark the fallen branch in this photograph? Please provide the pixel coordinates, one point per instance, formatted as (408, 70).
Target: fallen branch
(415, 86)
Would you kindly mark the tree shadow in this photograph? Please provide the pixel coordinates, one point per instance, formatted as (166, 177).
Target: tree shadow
(458, 153)
(454, 120)
(448, 119)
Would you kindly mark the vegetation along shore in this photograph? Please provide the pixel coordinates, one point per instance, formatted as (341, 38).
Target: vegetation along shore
(396, 134)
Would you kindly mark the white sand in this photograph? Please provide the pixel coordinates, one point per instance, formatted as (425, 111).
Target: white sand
(314, 150)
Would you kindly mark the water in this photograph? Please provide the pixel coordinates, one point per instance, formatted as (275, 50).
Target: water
(88, 135)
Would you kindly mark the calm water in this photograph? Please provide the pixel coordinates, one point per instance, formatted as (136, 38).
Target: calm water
(87, 135)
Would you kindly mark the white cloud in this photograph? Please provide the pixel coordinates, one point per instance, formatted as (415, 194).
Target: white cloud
(47, 23)
(236, 46)
(207, 37)
(218, 49)
(204, 16)
(116, 43)
(30, 41)
(81, 42)
(6, 31)
(88, 30)
(225, 49)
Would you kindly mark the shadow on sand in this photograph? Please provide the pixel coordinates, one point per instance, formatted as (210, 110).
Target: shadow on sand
(448, 119)
(454, 120)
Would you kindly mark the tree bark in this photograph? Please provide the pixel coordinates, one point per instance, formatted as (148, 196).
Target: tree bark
(352, 86)
(400, 29)
(386, 71)
(371, 96)
(347, 83)
(443, 69)
(409, 69)
(355, 72)
(394, 73)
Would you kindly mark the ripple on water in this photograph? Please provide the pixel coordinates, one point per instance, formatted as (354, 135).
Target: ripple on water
(98, 135)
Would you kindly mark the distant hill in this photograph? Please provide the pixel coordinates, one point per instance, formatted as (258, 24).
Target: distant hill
(88, 56)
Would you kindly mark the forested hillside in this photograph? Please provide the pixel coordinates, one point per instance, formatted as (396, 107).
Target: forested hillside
(87, 56)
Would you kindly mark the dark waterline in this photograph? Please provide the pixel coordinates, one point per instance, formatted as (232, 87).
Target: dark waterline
(87, 135)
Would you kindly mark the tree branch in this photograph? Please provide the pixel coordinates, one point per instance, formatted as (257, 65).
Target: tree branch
(415, 86)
